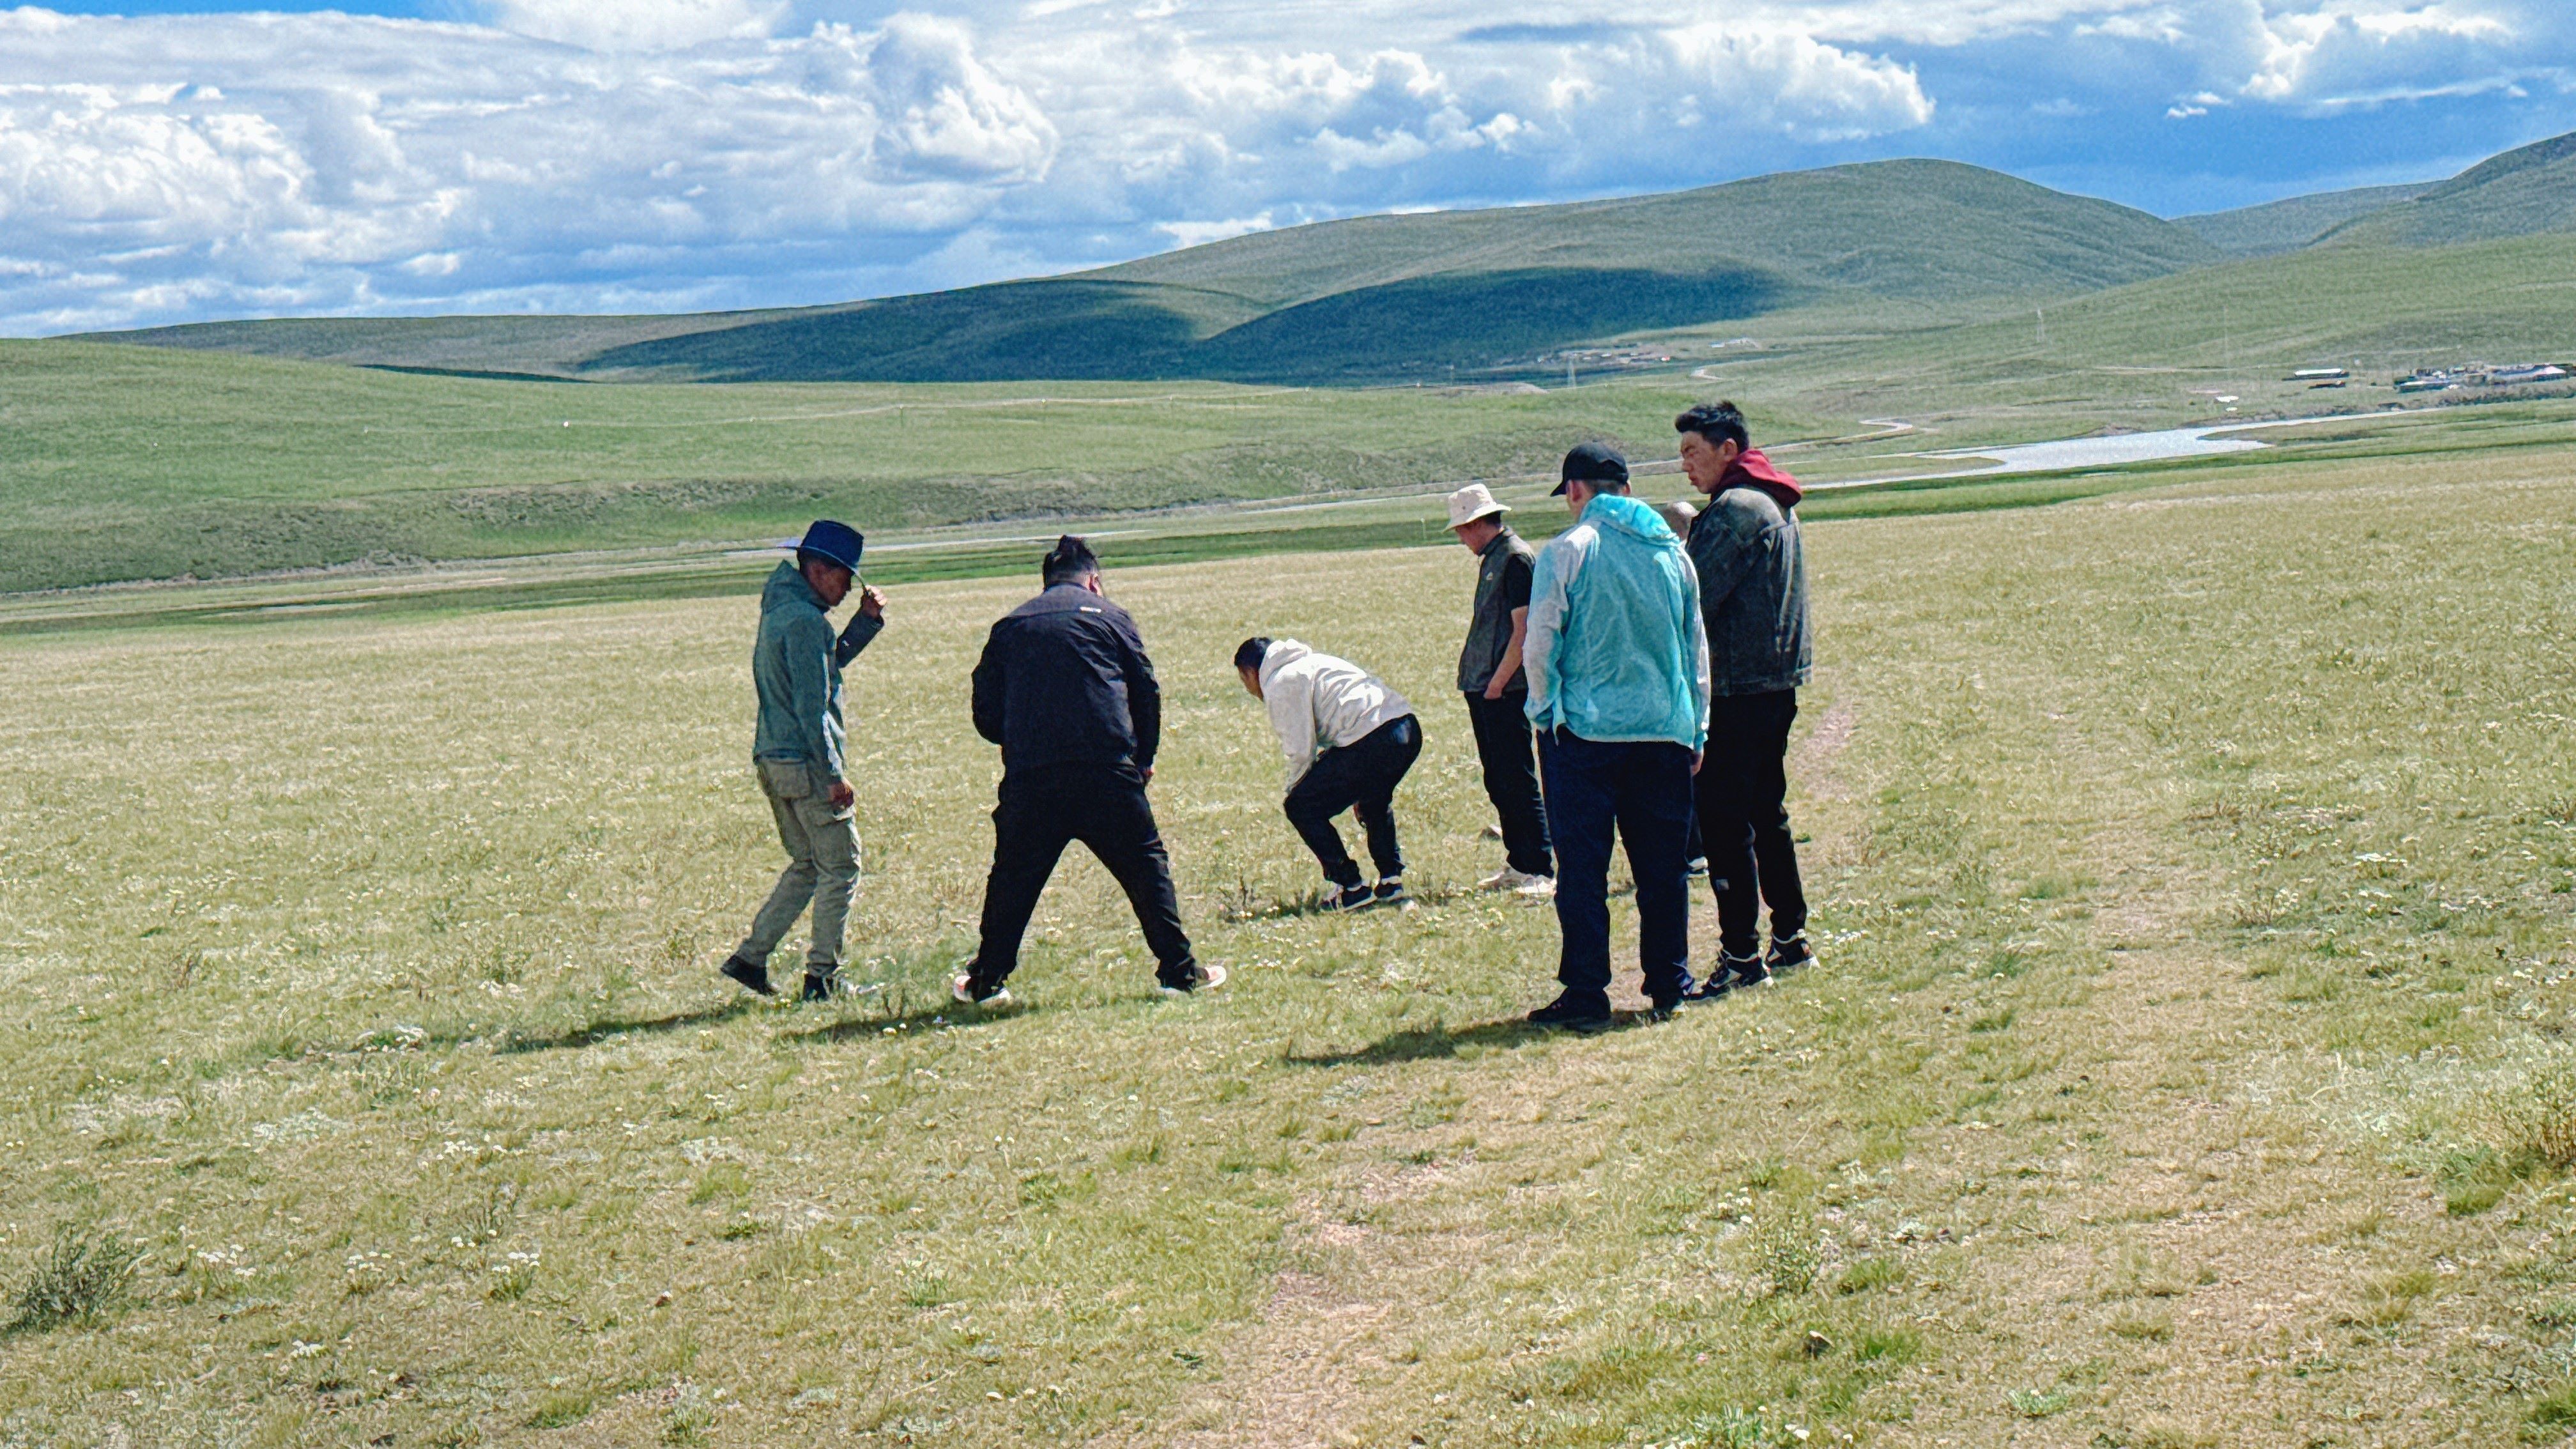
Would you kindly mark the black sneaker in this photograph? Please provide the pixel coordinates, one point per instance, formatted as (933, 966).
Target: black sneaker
(750, 973)
(1202, 977)
(965, 990)
(1573, 1013)
(1790, 954)
(820, 986)
(1732, 974)
(1390, 892)
(1347, 898)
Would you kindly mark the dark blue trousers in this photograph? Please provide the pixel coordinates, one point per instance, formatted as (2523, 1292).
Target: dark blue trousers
(1643, 792)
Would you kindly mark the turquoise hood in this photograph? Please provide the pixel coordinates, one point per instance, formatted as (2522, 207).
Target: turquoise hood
(1616, 649)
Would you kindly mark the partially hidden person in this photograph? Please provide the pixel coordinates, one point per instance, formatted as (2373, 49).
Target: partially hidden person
(800, 751)
(1618, 693)
(1497, 689)
(1349, 741)
(1677, 515)
(1065, 688)
(1752, 569)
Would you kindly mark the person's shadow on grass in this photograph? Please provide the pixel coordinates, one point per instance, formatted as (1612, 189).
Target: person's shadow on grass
(1437, 1042)
(611, 1028)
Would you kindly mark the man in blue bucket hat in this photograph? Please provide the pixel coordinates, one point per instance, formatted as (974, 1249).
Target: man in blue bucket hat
(799, 749)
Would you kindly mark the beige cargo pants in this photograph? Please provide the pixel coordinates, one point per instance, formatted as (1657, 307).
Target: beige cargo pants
(822, 843)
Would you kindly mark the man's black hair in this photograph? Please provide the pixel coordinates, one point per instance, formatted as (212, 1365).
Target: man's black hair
(1069, 562)
(1250, 653)
(1719, 422)
(806, 559)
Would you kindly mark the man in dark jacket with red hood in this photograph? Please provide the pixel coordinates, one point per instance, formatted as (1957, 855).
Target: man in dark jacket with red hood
(1753, 594)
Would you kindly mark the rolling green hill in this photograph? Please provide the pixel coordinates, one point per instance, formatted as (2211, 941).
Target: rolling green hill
(2287, 225)
(1371, 299)
(2520, 193)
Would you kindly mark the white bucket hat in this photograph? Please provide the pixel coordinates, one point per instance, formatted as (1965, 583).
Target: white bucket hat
(1471, 503)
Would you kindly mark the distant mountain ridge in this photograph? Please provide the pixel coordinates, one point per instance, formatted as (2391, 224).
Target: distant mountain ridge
(1463, 294)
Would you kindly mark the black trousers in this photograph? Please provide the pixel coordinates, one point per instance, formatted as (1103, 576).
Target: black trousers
(1743, 787)
(1511, 780)
(1359, 777)
(1104, 807)
(1639, 792)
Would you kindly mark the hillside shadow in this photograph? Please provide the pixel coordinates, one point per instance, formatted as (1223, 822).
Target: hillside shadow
(1439, 1042)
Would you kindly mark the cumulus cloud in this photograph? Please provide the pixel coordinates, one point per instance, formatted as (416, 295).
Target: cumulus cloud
(615, 154)
(636, 24)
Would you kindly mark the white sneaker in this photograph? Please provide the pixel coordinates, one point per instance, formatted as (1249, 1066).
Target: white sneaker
(962, 990)
(1536, 887)
(1508, 879)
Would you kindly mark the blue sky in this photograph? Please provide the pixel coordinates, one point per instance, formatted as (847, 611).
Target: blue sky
(170, 161)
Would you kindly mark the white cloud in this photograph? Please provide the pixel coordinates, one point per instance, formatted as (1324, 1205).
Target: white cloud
(1200, 233)
(647, 153)
(2344, 46)
(637, 24)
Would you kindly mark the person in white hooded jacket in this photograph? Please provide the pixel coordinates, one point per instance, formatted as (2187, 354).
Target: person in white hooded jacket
(1349, 739)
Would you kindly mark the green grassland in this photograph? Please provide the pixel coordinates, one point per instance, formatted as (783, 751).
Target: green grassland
(122, 463)
(2187, 1063)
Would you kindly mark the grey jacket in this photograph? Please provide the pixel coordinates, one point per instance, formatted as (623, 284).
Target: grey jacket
(796, 670)
(1752, 590)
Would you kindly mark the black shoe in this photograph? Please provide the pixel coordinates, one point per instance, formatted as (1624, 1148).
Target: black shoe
(1583, 1014)
(1732, 974)
(1347, 898)
(750, 973)
(1390, 892)
(1790, 954)
(1663, 1010)
(1201, 977)
(965, 990)
(820, 986)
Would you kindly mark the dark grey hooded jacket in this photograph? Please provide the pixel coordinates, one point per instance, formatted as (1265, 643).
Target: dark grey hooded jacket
(1753, 581)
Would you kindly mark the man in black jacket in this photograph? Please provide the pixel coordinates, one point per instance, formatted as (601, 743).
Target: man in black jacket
(1067, 692)
(1753, 589)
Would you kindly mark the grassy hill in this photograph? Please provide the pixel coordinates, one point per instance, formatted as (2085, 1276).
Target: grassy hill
(2287, 225)
(1369, 299)
(2520, 193)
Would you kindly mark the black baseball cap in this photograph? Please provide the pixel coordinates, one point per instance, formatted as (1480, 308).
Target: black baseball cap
(1592, 463)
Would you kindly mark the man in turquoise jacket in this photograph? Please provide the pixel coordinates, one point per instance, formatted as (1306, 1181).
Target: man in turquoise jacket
(1618, 693)
(799, 747)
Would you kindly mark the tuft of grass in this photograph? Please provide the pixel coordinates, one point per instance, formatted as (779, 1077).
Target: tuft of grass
(1868, 1274)
(2536, 1119)
(86, 1271)
(2038, 1403)
(1784, 1254)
